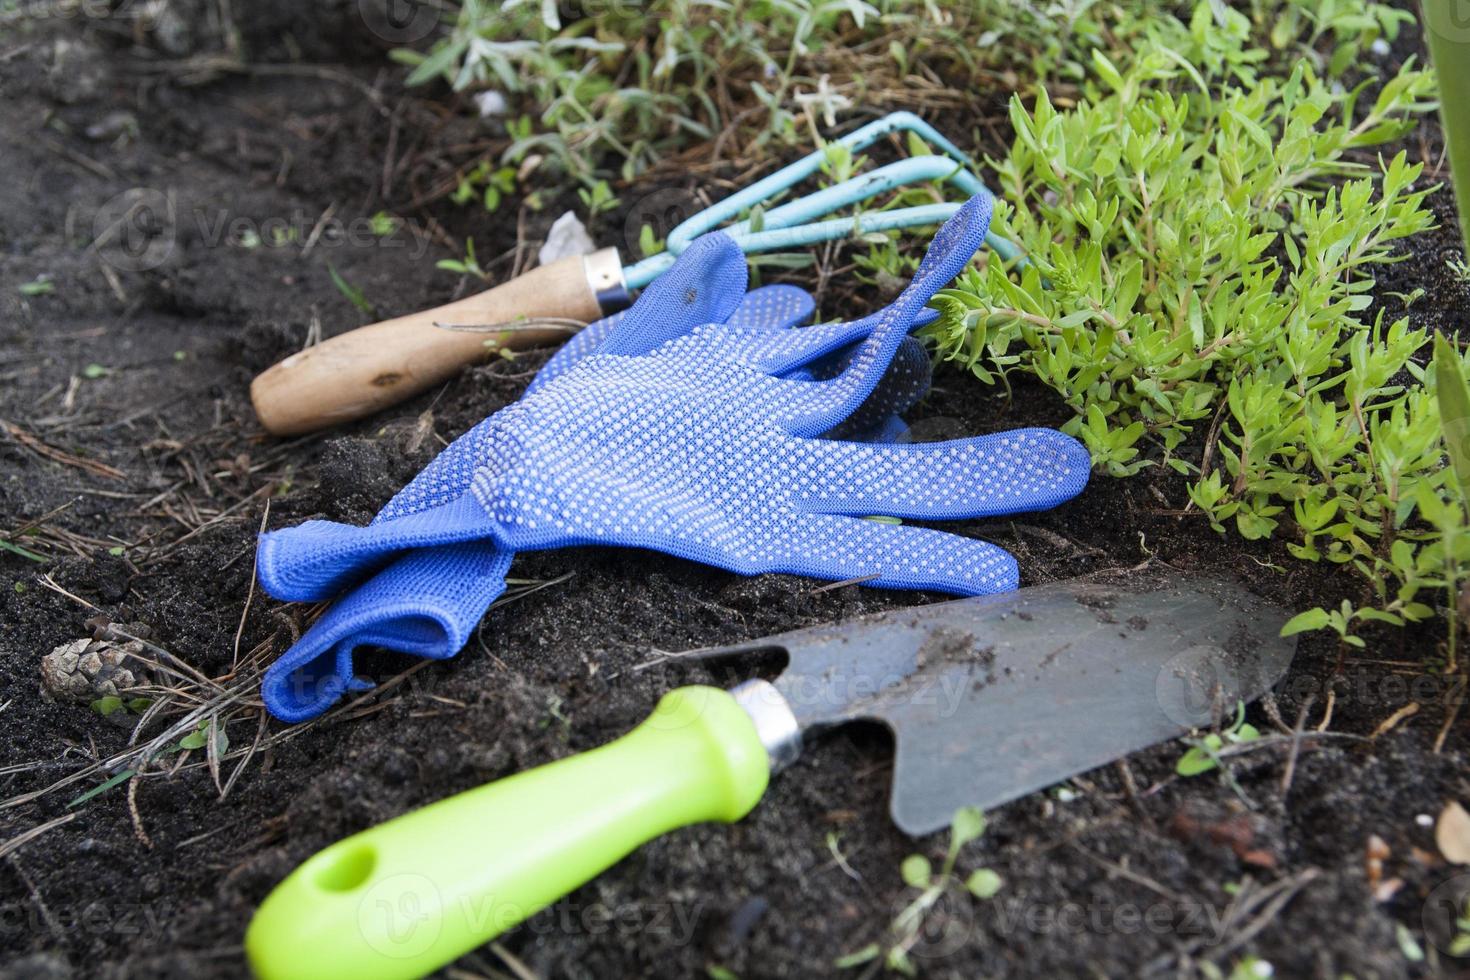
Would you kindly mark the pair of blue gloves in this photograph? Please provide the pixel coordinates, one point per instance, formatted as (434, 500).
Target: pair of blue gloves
(699, 424)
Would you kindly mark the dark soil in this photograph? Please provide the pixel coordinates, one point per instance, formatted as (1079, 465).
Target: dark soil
(1129, 871)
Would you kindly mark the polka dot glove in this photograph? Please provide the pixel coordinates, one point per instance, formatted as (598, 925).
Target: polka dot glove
(690, 434)
(429, 601)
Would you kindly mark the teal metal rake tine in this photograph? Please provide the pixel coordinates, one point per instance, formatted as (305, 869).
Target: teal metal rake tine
(795, 223)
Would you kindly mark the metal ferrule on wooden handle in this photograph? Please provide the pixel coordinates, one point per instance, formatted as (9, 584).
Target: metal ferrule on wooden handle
(355, 374)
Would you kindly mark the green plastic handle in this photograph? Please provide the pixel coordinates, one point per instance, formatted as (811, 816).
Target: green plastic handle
(405, 897)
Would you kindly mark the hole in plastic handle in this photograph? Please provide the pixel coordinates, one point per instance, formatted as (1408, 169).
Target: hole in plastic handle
(347, 870)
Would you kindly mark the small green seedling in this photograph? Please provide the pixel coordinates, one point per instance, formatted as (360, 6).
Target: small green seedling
(598, 197)
(467, 266)
(383, 224)
(840, 163)
(39, 286)
(1245, 968)
(1341, 619)
(1204, 753)
(112, 704)
(101, 788)
(26, 553)
(648, 241)
(281, 237)
(353, 294)
(489, 185)
(1460, 944)
(905, 929)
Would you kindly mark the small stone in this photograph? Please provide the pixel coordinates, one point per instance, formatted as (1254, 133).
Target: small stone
(568, 236)
(491, 104)
(112, 125)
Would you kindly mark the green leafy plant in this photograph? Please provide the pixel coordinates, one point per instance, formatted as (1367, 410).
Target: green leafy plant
(39, 286)
(634, 82)
(1449, 49)
(1434, 552)
(1201, 257)
(1346, 28)
(1203, 754)
(918, 873)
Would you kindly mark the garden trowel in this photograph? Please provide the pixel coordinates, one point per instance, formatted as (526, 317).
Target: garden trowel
(988, 698)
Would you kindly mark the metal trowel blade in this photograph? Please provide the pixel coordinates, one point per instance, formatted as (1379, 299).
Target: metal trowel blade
(992, 698)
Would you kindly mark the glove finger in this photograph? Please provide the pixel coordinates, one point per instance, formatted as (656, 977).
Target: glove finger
(318, 559)
(891, 429)
(776, 307)
(704, 286)
(897, 556)
(446, 478)
(954, 245)
(987, 476)
(787, 354)
(904, 384)
(427, 603)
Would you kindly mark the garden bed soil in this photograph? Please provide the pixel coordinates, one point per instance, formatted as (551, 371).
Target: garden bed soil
(1127, 871)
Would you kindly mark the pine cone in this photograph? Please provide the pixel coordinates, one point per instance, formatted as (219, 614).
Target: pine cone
(85, 670)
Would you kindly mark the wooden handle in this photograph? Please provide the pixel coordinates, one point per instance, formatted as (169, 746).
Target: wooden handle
(363, 371)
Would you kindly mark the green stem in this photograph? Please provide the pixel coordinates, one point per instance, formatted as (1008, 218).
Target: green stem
(1447, 28)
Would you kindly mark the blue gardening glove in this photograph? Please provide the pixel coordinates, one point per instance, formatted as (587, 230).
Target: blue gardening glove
(429, 601)
(688, 440)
